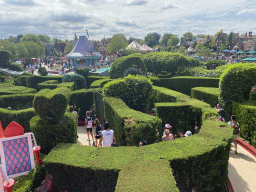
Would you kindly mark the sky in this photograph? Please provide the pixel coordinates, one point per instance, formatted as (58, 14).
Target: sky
(133, 18)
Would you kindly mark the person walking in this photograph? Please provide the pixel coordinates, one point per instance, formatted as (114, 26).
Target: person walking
(88, 124)
(98, 133)
(236, 132)
(107, 135)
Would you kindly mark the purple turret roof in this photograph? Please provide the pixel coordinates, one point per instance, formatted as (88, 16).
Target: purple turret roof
(82, 49)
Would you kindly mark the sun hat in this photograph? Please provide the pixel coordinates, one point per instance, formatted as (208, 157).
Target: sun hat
(168, 126)
(188, 133)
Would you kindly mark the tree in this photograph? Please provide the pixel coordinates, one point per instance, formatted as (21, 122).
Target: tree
(44, 38)
(230, 40)
(165, 39)
(118, 43)
(150, 40)
(187, 36)
(34, 38)
(22, 50)
(173, 41)
(18, 38)
(182, 50)
(68, 48)
(34, 50)
(220, 31)
(202, 50)
(157, 36)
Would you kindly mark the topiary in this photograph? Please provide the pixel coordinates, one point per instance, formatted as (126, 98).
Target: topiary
(121, 64)
(42, 71)
(132, 71)
(78, 79)
(135, 91)
(83, 71)
(235, 85)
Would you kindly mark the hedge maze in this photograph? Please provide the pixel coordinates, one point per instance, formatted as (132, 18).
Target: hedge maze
(198, 162)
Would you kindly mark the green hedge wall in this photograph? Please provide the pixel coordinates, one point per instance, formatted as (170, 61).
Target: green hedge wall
(199, 162)
(184, 84)
(20, 116)
(183, 115)
(49, 135)
(82, 99)
(165, 61)
(235, 85)
(100, 83)
(117, 112)
(208, 94)
(119, 66)
(17, 102)
(53, 84)
(4, 57)
(83, 71)
(246, 116)
(9, 90)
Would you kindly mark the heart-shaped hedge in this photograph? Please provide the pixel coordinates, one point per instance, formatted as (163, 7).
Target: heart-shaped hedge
(51, 105)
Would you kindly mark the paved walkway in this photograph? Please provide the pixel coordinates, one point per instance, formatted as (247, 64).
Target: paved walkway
(242, 170)
(82, 136)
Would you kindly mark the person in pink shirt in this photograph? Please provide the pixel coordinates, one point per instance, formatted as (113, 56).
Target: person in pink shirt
(168, 136)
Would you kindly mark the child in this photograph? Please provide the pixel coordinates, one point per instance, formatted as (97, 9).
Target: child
(88, 124)
(236, 133)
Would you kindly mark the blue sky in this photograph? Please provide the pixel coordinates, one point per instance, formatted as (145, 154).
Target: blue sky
(133, 18)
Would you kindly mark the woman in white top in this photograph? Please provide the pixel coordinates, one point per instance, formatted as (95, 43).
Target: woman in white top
(107, 135)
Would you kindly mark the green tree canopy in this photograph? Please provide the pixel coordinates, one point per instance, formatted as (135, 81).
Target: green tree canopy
(150, 40)
(230, 40)
(34, 38)
(157, 36)
(173, 41)
(44, 38)
(117, 44)
(34, 50)
(68, 48)
(182, 50)
(22, 50)
(165, 39)
(220, 31)
(187, 36)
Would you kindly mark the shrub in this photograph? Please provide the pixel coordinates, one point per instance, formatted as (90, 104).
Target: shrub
(42, 71)
(135, 91)
(204, 160)
(51, 105)
(209, 94)
(100, 83)
(83, 100)
(78, 79)
(184, 84)
(235, 85)
(121, 64)
(83, 71)
(20, 116)
(132, 71)
(49, 135)
(10, 90)
(17, 102)
(245, 113)
(119, 115)
(4, 57)
(171, 62)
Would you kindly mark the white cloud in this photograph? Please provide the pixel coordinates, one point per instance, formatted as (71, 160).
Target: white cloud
(246, 11)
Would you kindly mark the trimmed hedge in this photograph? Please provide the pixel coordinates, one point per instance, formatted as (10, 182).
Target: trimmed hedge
(83, 100)
(208, 94)
(246, 116)
(121, 64)
(4, 57)
(17, 102)
(184, 84)
(100, 83)
(53, 84)
(235, 85)
(20, 116)
(199, 162)
(135, 91)
(78, 79)
(49, 135)
(51, 105)
(144, 126)
(42, 71)
(83, 71)
(165, 61)
(10, 90)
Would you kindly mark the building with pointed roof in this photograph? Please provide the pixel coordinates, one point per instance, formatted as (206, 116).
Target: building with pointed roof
(141, 48)
(82, 54)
